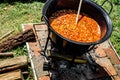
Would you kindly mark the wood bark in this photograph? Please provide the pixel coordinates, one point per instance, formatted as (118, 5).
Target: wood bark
(13, 75)
(7, 54)
(13, 63)
(17, 40)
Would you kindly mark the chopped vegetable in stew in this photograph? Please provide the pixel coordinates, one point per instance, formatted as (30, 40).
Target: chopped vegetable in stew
(86, 30)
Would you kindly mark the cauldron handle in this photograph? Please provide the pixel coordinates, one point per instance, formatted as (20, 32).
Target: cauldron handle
(48, 38)
(91, 48)
(110, 5)
(47, 21)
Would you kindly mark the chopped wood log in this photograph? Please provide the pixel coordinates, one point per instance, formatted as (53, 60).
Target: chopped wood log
(13, 75)
(13, 63)
(6, 54)
(25, 73)
(17, 40)
(7, 34)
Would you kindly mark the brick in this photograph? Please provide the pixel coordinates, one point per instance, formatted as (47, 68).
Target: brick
(35, 48)
(105, 44)
(39, 27)
(26, 26)
(34, 51)
(117, 67)
(106, 64)
(44, 78)
(100, 52)
(116, 78)
(112, 55)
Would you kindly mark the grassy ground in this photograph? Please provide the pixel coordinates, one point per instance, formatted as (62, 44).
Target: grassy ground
(12, 16)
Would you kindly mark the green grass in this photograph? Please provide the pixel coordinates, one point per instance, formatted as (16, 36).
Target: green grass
(12, 16)
(115, 38)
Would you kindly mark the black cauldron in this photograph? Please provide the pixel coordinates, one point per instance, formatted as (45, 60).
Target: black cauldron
(88, 7)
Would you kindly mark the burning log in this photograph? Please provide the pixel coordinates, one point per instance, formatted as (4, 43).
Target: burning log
(68, 58)
(17, 40)
(13, 63)
(13, 75)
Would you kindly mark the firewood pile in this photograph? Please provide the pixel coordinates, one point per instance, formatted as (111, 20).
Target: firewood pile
(17, 40)
(14, 68)
(11, 69)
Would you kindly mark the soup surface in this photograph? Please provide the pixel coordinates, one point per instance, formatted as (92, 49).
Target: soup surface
(86, 30)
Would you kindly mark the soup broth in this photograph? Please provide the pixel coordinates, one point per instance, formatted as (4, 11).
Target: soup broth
(86, 30)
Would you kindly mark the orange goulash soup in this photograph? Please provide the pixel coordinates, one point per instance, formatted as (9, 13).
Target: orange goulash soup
(86, 30)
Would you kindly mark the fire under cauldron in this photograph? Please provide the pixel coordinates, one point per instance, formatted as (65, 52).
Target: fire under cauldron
(88, 7)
